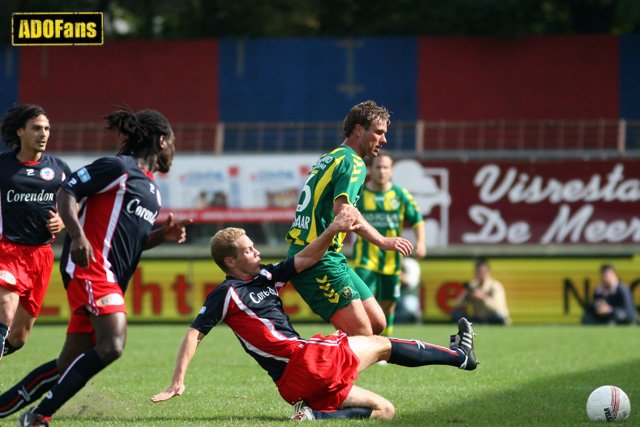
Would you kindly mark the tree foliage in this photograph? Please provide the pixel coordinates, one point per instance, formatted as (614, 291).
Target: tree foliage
(186, 19)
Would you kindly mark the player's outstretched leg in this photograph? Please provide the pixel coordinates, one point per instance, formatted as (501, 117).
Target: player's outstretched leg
(29, 389)
(83, 368)
(417, 353)
(463, 341)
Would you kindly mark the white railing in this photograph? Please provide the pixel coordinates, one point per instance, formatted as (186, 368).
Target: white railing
(421, 138)
(522, 136)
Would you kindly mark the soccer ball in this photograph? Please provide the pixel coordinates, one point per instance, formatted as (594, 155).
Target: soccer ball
(608, 403)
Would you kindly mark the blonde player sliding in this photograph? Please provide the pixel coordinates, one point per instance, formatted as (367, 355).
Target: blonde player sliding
(315, 375)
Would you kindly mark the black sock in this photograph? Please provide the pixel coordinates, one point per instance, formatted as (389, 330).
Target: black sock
(417, 353)
(10, 348)
(4, 331)
(34, 385)
(75, 377)
(355, 412)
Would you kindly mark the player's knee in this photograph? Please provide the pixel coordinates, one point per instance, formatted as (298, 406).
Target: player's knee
(110, 352)
(110, 355)
(384, 410)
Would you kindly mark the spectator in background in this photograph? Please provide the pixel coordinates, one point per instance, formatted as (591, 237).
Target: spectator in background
(483, 300)
(386, 207)
(202, 200)
(612, 301)
(219, 200)
(409, 309)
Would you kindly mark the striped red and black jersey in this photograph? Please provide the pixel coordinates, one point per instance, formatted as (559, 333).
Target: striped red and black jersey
(253, 310)
(119, 203)
(27, 194)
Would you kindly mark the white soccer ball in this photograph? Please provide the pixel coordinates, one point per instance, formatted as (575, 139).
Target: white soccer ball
(608, 403)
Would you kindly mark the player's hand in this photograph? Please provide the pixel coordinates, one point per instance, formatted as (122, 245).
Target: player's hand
(347, 218)
(175, 231)
(398, 244)
(420, 251)
(171, 391)
(54, 223)
(81, 251)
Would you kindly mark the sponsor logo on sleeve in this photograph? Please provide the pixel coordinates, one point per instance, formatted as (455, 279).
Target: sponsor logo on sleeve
(84, 176)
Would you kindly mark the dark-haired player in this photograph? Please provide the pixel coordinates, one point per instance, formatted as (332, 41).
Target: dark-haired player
(29, 180)
(109, 208)
(317, 374)
(332, 288)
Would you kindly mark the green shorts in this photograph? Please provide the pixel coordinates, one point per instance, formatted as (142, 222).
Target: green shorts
(329, 285)
(385, 287)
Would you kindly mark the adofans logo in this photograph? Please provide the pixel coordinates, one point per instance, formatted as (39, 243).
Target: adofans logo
(57, 29)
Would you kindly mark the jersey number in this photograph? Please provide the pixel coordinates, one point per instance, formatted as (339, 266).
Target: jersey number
(306, 195)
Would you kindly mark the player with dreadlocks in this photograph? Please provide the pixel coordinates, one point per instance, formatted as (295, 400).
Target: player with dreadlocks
(29, 221)
(109, 208)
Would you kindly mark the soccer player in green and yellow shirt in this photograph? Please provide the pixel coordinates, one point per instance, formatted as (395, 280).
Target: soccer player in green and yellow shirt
(386, 207)
(332, 288)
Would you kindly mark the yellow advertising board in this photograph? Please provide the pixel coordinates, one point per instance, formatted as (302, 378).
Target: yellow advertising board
(539, 290)
(166, 290)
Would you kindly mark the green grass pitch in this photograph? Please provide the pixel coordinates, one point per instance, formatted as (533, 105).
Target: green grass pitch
(528, 375)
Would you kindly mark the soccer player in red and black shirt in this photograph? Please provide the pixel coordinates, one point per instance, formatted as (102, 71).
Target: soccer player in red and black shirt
(29, 180)
(315, 375)
(109, 208)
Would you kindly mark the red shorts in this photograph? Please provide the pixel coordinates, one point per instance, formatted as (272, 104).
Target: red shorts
(86, 297)
(26, 270)
(321, 373)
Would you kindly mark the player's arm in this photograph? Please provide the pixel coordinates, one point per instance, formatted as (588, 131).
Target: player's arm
(346, 220)
(80, 249)
(187, 349)
(170, 230)
(54, 223)
(413, 215)
(421, 239)
(370, 234)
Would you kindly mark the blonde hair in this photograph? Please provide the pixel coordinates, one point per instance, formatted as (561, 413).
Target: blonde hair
(223, 244)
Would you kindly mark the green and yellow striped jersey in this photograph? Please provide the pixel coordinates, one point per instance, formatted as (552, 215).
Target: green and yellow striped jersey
(340, 172)
(387, 212)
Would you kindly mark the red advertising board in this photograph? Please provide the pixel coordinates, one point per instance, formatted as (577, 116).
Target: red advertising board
(76, 85)
(532, 78)
(532, 203)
